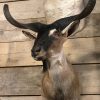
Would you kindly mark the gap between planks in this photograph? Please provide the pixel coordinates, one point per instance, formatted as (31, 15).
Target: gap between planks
(12, 1)
(85, 97)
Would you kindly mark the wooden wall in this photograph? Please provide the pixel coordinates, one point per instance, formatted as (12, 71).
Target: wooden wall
(20, 75)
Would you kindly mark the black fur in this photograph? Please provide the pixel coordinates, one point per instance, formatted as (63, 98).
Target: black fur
(45, 65)
(59, 95)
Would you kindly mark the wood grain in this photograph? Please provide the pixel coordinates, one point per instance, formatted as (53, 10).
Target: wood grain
(9, 33)
(89, 76)
(22, 98)
(81, 50)
(24, 9)
(97, 7)
(90, 97)
(16, 47)
(14, 34)
(20, 81)
(18, 59)
(6, 26)
(27, 81)
(91, 28)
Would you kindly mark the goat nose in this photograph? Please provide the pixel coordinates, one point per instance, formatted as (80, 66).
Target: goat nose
(37, 49)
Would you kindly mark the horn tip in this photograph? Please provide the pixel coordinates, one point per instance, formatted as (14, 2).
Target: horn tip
(5, 7)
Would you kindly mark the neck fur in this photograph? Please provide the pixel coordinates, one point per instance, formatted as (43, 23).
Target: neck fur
(57, 59)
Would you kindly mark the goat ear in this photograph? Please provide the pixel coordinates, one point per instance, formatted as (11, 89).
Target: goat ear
(71, 28)
(28, 34)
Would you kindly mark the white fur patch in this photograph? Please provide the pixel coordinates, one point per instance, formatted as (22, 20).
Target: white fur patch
(52, 31)
(66, 29)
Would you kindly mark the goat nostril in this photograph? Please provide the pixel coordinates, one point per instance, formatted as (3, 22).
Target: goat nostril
(37, 49)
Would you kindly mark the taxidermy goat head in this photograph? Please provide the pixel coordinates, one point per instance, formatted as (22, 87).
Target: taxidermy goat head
(49, 33)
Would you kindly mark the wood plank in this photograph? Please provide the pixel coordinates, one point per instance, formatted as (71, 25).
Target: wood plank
(15, 34)
(27, 81)
(22, 98)
(86, 97)
(89, 76)
(20, 81)
(97, 7)
(90, 97)
(24, 9)
(6, 26)
(18, 59)
(77, 50)
(10, 33)
(12, 36)
(83, 50)
(92, 27)
(16, 47)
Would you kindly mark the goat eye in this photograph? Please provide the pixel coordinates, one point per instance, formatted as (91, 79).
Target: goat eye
(43, 42)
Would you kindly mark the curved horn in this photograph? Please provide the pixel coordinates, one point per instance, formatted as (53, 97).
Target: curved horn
(59, 24)
(62, 23)
(32, 26)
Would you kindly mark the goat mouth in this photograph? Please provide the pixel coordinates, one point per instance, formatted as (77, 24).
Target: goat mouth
(38, 58)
